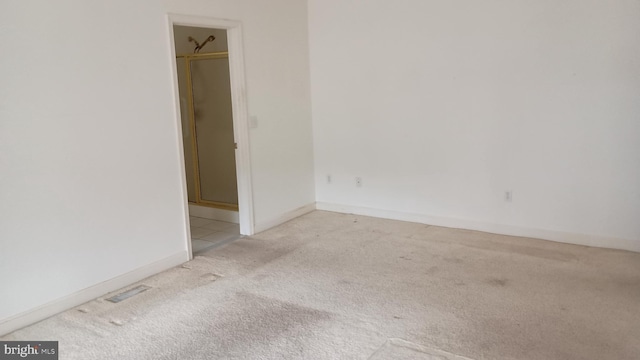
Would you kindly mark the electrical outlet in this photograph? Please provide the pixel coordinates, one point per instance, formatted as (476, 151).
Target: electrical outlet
(328, 178)
(359, 181)
(508, 196)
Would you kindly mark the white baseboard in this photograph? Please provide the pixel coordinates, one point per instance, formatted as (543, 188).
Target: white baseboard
(214, 214)
(552, 235)
(57, 306)
(281, 219)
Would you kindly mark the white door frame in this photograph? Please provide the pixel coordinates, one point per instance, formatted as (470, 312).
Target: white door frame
(239, 108)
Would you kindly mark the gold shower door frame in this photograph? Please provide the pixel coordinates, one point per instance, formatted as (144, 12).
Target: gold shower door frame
(192, 124)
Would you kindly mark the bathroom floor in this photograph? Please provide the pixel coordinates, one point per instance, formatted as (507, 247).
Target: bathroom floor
(206, 233)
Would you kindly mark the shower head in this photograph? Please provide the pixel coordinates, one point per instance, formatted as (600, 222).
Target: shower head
(198, 46)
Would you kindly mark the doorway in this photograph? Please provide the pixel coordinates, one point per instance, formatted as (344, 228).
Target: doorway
(207, 117)
(210, 100)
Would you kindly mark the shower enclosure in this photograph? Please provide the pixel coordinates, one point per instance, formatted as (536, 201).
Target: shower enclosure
(207, 129)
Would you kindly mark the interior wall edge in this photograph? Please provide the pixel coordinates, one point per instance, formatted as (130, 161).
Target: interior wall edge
(501, 229)
(47, 310)
(283, 218)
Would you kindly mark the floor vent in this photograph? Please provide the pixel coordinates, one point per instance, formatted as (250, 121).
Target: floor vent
(129, 293)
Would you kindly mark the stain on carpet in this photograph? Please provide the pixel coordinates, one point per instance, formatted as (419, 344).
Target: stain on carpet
(256, 321)
(498, 282)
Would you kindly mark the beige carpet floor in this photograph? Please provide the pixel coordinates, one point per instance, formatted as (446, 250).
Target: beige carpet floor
(335, 286)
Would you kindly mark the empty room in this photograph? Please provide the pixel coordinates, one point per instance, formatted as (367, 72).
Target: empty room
(320, 179)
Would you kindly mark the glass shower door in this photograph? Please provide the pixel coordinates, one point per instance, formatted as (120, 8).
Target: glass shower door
(213, 117)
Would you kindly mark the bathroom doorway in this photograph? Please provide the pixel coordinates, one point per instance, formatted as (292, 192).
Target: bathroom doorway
(213, 125)
(207, 116)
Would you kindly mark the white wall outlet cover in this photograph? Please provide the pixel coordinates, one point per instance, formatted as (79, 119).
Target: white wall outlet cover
(508, 196)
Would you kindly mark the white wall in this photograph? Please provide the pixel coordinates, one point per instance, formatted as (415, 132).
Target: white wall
(442, 106)
(90, 187)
